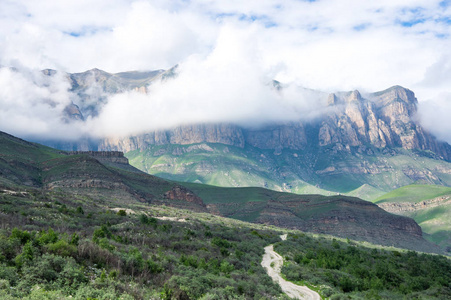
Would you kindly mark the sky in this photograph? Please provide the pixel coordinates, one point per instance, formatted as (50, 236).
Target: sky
(228, 53)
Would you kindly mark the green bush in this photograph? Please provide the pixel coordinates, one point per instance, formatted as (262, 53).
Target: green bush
(121, 213)
(62, 248)
(47, 237)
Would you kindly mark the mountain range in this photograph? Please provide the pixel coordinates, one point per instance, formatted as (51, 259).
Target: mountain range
(361, 146)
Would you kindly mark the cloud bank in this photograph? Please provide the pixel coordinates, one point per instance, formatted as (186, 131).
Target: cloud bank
(228, 53)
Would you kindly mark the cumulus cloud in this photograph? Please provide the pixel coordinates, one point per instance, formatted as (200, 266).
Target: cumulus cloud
(229, 85)
(228, 53)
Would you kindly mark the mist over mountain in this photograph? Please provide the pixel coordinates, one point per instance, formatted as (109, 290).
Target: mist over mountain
(347, 142)
(96, 105)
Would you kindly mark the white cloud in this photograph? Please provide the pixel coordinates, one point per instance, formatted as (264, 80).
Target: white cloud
(228, 51)
(435, 115)
(229, 85)
(32, 104)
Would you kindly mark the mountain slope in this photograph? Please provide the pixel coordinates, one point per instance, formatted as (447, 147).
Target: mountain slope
(428, 205)
(91, 175)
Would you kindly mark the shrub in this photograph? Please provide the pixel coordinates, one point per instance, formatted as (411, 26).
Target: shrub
(22, 236)
(102, 232)
(48, 237)
(62, 248)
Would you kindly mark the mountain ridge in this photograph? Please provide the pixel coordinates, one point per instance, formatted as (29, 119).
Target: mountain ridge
(356, 138)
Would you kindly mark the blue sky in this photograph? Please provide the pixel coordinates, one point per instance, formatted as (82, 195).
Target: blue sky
(326, 45)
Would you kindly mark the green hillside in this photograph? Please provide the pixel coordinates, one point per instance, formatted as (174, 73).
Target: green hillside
(326, 172)
(414, 193)
(428, 205)
(76, 228)
(57, 245)
(108, 177)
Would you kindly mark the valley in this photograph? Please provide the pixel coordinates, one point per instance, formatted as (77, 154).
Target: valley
(107, 228)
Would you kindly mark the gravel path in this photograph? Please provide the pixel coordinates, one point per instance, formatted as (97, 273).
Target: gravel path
(292, 290)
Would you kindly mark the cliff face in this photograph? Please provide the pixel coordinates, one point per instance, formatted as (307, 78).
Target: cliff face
(352, 122)
(183, 135)
(104, 156)
(385, 119)
(382, 120)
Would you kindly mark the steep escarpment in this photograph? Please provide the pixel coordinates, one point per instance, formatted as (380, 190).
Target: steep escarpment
(386, 119)
(350, 121)
(227, 134)
(382, 120)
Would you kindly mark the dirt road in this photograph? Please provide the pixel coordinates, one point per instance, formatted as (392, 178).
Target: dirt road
(273, 262)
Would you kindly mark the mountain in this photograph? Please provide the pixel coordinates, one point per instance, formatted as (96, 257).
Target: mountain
(362, 145)
(107, 179)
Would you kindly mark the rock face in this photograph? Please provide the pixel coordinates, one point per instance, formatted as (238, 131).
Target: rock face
(352, 122)
(182, 193)
(104, 156)
(385, 119)
(183, 135)
(407, 208)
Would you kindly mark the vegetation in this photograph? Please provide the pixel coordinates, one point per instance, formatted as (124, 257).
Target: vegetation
(50, 250)
(74, 228)
(292, 171)
(343, 269)
(414, 193)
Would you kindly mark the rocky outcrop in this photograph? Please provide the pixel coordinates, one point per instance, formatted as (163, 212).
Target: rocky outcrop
(286, 136)
(406, 208)
(116, 157)
(384, 119)
(183, 194)
(227, 134)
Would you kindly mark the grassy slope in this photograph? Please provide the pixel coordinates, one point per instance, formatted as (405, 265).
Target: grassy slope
(365, 176)
(139, 258)
(436, 220)
(414, 193)
(134, 248)
(82, 174)
(204, 255)
(19, 160)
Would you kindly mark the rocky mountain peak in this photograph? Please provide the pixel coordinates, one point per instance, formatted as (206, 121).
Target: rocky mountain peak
(332, 99)
(354, 96)
(395, 93)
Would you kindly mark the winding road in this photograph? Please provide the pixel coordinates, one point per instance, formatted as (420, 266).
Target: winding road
(273, 262)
